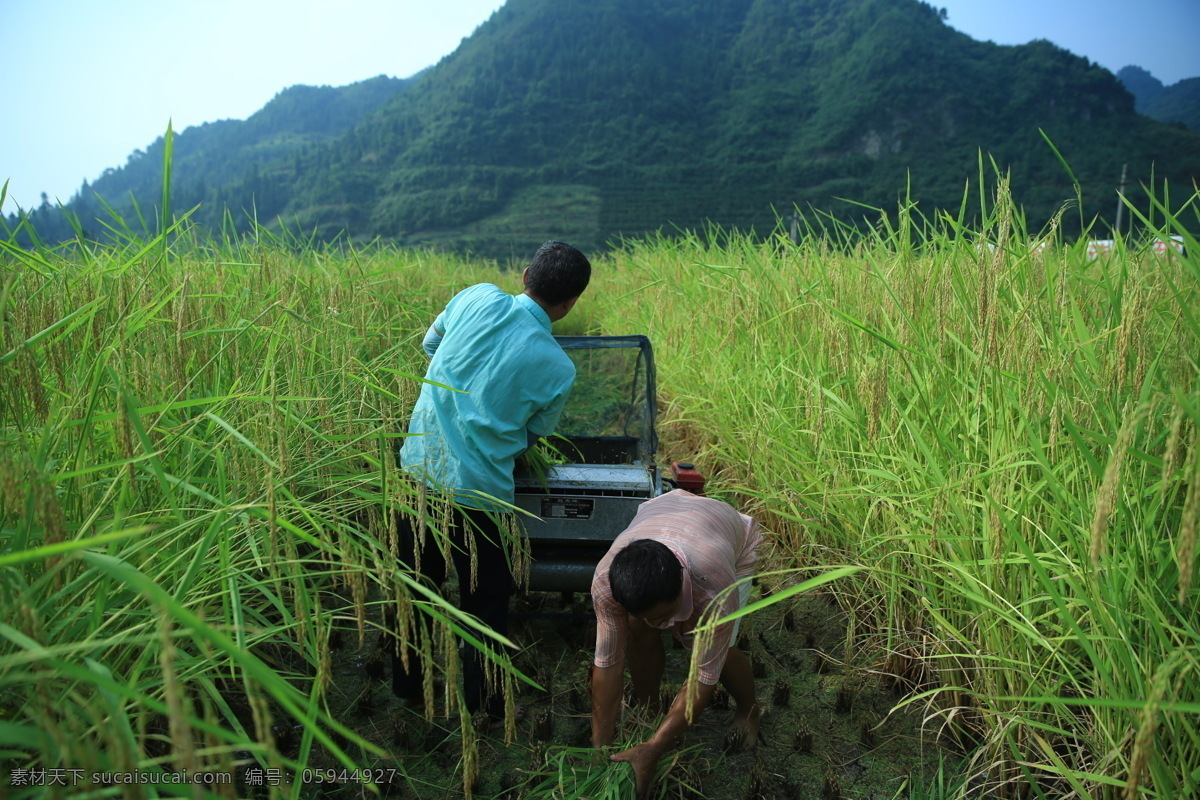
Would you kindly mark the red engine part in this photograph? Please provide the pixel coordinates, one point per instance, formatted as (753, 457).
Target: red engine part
(688, 477)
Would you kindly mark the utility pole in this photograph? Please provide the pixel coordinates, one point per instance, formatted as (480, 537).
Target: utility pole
(1121, 201)
(795, 227)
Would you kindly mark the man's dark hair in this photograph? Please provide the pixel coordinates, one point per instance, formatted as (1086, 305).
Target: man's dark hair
(644, 574)
(557, 273)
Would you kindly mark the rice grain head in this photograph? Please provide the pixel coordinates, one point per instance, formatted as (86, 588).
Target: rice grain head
(470, 752)
(323, 625)
(181, 731)
(1171, 455)
(1106, 498)
(1125, 336)
(1143, 744)
(1186, 553)
(449, 647)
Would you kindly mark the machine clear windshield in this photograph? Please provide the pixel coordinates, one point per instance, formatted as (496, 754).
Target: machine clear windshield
(609, 416)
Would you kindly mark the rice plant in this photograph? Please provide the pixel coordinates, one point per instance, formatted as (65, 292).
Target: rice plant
(1003, 436)
(584, 773)
(198, 484)
(198, 489)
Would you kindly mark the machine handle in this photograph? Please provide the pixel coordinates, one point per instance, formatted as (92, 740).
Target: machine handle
(686, 476)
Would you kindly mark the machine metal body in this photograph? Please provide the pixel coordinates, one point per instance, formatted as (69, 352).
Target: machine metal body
(607, 442)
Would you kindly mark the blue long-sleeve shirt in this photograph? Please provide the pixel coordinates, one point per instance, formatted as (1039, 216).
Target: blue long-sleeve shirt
(512, 379)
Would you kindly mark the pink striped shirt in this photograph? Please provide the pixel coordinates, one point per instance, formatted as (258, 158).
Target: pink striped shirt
(716, 546)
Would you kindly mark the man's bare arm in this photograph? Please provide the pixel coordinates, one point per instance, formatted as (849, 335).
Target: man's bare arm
(606, 702)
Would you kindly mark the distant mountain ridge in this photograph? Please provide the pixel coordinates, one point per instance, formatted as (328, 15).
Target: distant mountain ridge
(1179, 102)
(589, 121)
(218, 164)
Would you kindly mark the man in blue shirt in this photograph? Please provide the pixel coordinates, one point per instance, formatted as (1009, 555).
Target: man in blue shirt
(497, 380)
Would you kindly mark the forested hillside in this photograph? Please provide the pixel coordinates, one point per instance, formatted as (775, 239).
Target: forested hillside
(589, 121)
(220, 165)
(627, 116)
(1179, 102)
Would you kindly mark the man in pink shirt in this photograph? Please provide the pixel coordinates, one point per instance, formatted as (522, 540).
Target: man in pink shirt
(681, 553)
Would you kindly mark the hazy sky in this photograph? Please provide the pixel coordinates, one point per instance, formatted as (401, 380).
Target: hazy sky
(86, 82)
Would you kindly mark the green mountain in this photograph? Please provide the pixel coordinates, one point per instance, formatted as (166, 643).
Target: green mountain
(591, 120)
(219, 164)
(1179, 102)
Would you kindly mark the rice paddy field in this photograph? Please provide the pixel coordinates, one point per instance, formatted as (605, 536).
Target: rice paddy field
(995, 443)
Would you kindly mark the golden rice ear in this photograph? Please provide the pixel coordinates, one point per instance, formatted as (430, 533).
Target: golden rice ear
(1171, 453)
(518, 548)
(1106, 497)
(1143, 743)
(1186, 551)
(470, 748)
(182, 743)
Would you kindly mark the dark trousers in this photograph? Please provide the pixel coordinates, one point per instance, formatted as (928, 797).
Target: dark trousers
(488, 600)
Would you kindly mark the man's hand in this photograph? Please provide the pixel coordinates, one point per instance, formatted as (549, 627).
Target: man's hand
(644, 759)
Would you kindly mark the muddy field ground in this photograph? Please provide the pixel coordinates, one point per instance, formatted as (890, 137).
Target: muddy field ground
(828, 730)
